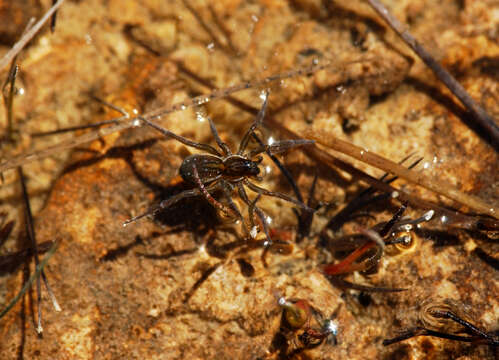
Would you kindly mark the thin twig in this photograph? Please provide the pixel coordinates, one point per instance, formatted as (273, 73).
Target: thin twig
(482, 119)
(421, 179)
(30, 230)
(18, 46)
(32, 278)
(125, 122)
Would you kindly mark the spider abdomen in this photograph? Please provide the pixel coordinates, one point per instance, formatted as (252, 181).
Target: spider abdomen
(209, 167)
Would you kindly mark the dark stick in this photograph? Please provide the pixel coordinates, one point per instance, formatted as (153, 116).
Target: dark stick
(30, 229)
(482, 119)
(9, 97)
(203, 24)
(53, 19)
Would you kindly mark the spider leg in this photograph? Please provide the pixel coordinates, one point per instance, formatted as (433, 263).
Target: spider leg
(227, 189)
(183, 140)
(251, 209)
(279, 195)
(280, 146)
(217, 205)
(165, 204)
(258, 121)
(219, 141)
(251, 204)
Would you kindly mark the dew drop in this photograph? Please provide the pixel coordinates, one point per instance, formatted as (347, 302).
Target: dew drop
(429, 215)
(254, 232)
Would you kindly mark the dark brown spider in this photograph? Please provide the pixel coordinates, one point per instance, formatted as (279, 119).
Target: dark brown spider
(227, 172)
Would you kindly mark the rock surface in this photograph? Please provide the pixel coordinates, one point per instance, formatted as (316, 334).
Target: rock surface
(175, 287)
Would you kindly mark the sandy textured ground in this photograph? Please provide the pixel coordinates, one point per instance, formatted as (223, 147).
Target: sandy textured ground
(179, 287)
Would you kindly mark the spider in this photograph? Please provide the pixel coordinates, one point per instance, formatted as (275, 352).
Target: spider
(227, 172)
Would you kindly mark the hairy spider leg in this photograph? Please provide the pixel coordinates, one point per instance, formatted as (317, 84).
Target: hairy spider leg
(251, 205)
(252, 208)
(217, 205)
(183, 140)
(276, 194)
(280, 147)
(258, 121)
(169, 202)
(116, 121)
(227, 188)
(219, 141)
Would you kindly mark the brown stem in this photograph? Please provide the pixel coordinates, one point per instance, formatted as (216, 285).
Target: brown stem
(482, 119)
(421, 179)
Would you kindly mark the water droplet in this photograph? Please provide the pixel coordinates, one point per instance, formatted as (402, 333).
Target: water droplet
(429, 215)
(270, 140)
(254, 232)
(268, 169)
(341, 89)
(268, 220)
(200, 117)
(88, 39)
(395, 194)
(254, 18)
(21, 91)
(183, 107)
(210, 46)
(331, 327)
(407, 227)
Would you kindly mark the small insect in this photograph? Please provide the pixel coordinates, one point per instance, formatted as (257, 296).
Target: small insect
(369, 246)
(304, 326)
(227, 172)
(446, 319)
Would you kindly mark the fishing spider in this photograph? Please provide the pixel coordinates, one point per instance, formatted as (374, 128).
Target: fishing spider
(227, 172)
